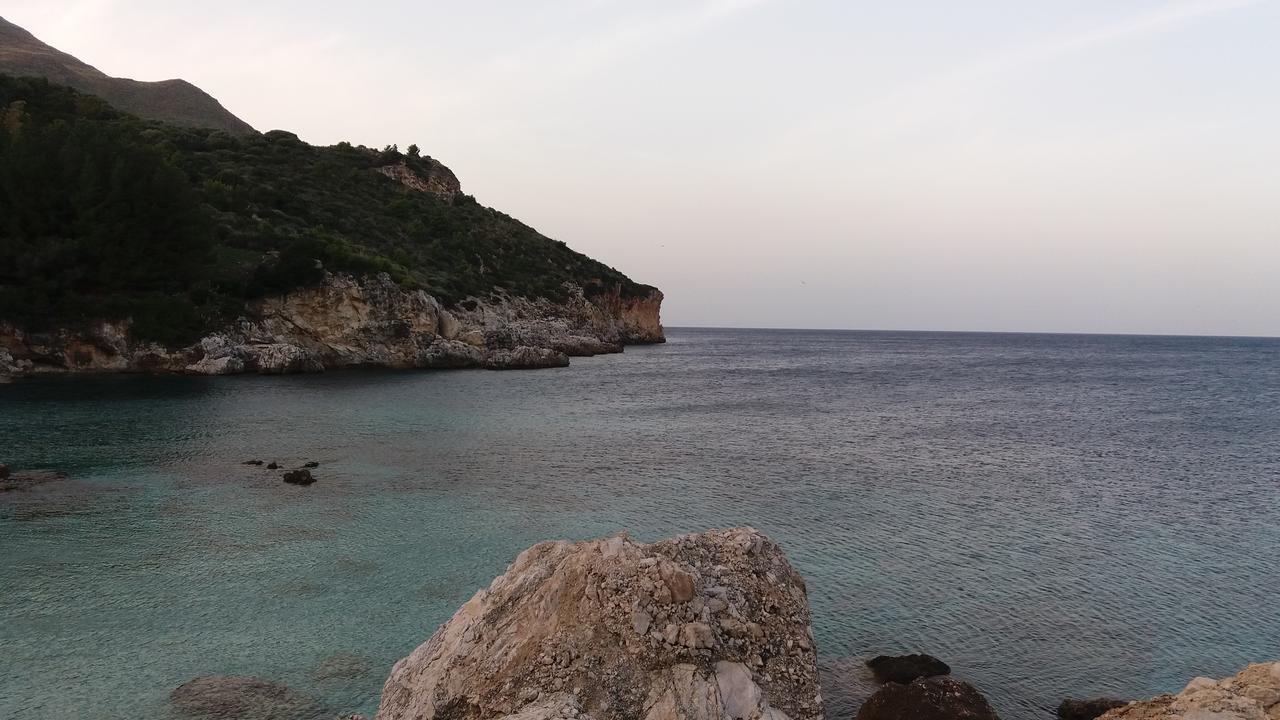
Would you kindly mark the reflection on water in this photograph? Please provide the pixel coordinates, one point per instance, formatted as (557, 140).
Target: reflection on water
(1052, 515)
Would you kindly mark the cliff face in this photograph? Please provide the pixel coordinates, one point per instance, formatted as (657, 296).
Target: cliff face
(712, 626)
(1253, 694)
(438, 180)
(349, 322)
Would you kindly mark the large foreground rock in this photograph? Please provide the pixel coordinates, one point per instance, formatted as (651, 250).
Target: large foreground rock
(1254, 694)
(701, 627)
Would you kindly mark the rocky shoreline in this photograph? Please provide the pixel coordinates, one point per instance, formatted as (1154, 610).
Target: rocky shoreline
(351, 322)
(709, 626)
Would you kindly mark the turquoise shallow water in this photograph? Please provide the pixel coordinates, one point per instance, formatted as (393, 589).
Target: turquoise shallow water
(1053, 515)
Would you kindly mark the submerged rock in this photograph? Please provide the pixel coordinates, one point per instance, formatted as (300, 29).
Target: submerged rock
(342, 666)
(252, 462)
(930, 698)
(1253, 694)
(712, 626)
(905, 668)
(299, 477)
(311, 464)
(234, 697)
(25, 480)
(273, 466)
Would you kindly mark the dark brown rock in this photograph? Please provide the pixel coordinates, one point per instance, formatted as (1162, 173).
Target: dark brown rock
(4, 472)
(905, 668)
(224, 697)
(311, 464)
(1087, 709)
(299, 477)
(252, 462)
(933, 698)
(273, 466)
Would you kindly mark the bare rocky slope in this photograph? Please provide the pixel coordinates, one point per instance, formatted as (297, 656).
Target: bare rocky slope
(713, 626)
(172, 101)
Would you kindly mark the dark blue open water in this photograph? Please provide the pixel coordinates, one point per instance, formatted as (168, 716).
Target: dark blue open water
(1053, 515)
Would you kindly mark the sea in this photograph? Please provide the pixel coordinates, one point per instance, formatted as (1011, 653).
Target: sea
(1053, 515)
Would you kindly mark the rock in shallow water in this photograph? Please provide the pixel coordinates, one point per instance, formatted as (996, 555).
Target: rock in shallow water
(526, 358)
(614, 629)
(234, 697)
(905, 668)
(299, 477)
(932, 698)
(1087, 709)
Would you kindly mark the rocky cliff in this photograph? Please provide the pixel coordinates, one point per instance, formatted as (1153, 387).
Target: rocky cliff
(713, 626)
(356, 322)
(1253, 694)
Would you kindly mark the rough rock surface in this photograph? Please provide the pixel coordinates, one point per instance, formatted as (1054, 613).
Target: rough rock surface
(1254, 694)
(348, 322)
(222, 697)
(905, 668)
(712, 626)
(1087, 709)
(931, 698)
(439, 181)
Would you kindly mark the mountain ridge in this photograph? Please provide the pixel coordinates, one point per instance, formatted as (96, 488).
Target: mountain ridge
(173, 101)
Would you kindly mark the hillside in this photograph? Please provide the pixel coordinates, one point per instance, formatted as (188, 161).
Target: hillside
(173, 101)
(106, 216)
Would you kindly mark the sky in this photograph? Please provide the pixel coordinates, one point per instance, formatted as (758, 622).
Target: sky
(1010, 165)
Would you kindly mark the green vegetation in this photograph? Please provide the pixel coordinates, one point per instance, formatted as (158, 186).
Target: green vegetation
(104, 215)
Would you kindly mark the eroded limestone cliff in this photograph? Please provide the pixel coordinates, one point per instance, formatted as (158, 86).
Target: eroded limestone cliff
(713, 626)
(356, 322)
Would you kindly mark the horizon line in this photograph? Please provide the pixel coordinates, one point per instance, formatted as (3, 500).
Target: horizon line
(978, 332)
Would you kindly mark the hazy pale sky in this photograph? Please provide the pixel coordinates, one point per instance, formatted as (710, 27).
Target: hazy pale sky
(1057, 165)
